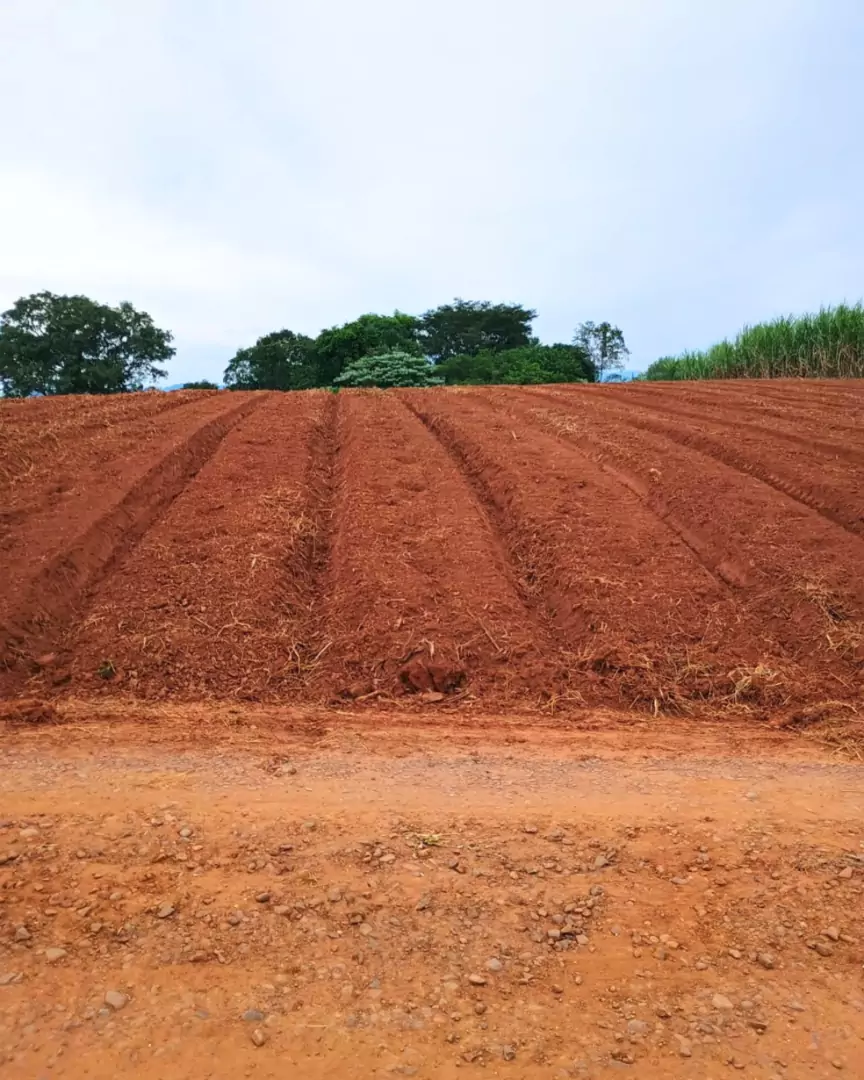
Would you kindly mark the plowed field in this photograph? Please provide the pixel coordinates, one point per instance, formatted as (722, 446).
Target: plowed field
(433, 733)
(677, 549)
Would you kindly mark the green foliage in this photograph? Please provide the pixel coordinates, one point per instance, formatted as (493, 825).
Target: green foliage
(202, 384)
(53, 344)
(279, 361)
(469, 327)
(827, 345)
(604, 345)
(393, 368)
(527, 365)
(340, 346)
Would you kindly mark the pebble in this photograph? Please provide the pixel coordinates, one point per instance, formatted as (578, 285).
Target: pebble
(720, 1001)
(685, 1047)
(767, 960)
(253, 1016)
(53, 955)
(165, 911)
(115, 1000)
(258, 1037)
(508, 1052)
(22, 934)
(334, 896)
(637, 1027)
(477, 980)
(846, 873)
(494, 964)
(263, 898)
(28, 834)
(822, 948)
(832, 933)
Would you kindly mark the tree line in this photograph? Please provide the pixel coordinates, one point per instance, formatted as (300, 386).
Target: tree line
(53, 344)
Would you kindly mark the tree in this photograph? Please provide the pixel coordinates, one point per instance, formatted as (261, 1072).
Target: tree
(394, 368)
(605, 346)
(468, 327)
(201, 384)
(529, 364)
(53, 344)
(340, 346)
(279, 361)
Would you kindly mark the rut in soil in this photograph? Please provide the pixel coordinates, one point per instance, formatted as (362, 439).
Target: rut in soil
(59, 592)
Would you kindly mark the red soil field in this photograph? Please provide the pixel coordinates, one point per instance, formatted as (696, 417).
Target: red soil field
(685, 549)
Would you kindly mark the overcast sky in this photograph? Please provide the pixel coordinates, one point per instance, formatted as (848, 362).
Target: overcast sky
(678, 167)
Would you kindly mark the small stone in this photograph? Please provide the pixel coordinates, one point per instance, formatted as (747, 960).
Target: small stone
(22, 934)
(165, 911)
(766, 960)
(29, 833)
(115, 1000)
(258, 1037)
(662, 1012)
(600, 862)
(822, 948)
(263, 898)
(736, 954)
(185, 832)
(685, 1047)
(530, 829)
(846, 873)
(287, 770)
(582, 939)
(477, 980)
(721, 1002)
(637, 1027)
(479, 1008)
(494, 964)
(282, 909)
(508, 1052)
(334, 896)
(9, 978)
(837, 1063)
(388, 858)
(679, 880)
(310, 826)
(53, 955)
(832, 933)
(253, 1016)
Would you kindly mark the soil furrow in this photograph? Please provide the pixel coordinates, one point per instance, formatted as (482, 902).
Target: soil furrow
(793, 472)
(844, 450)
(805, 599)
(55, 594)
(221, 598)
(419, 599)
(646, 621)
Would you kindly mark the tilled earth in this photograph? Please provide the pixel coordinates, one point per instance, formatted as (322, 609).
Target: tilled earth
(355, 901)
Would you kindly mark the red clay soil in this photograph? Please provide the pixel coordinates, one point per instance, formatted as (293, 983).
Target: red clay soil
(214, 602)
(85, 500)
(419, 597)
(798, 578)
(645, 612)
(661, 548)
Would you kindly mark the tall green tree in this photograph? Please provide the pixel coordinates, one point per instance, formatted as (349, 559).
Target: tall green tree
(469, 327)
(53, 344)
(604, 345)
(339, 346)
(282, 360)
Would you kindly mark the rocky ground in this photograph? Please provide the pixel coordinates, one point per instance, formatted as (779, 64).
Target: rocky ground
(319, 901)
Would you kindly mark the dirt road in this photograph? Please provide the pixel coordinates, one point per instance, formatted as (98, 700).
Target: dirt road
(217, 893)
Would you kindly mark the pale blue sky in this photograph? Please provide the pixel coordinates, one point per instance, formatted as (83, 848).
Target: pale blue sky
(679, 168)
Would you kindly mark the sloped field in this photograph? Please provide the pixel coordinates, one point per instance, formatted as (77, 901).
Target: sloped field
(681, 549)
